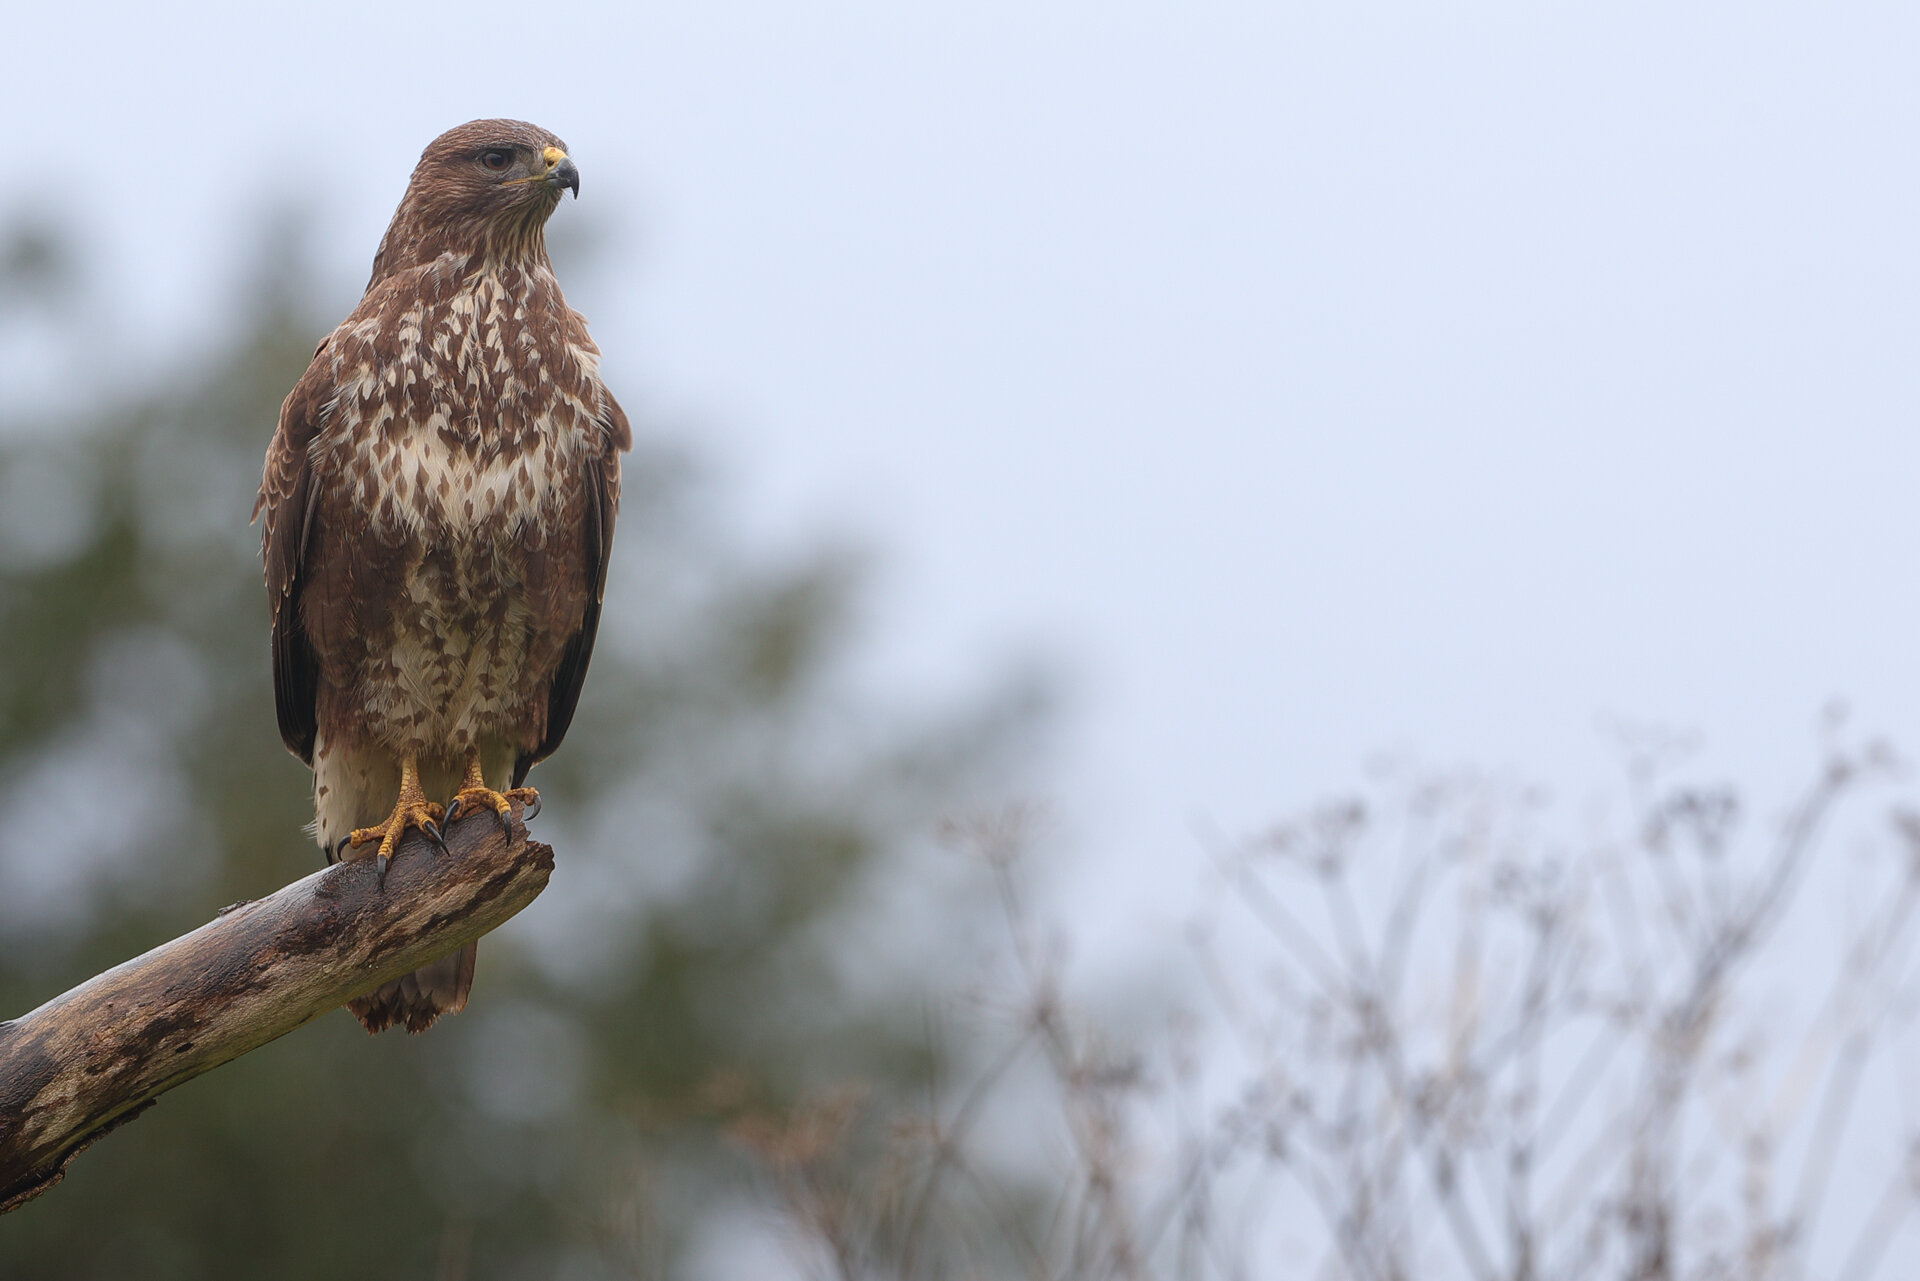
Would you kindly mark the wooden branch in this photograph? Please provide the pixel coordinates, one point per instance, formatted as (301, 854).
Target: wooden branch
(98, 1055)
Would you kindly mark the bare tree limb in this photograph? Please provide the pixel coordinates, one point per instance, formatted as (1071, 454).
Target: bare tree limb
(96, 1056)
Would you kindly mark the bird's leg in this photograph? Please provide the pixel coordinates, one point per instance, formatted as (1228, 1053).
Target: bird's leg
(475, 792)
(412, 809)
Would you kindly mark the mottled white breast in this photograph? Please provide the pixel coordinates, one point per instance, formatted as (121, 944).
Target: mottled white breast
(465, 415)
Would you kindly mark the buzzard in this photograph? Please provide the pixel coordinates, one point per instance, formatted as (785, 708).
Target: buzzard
(438, 505)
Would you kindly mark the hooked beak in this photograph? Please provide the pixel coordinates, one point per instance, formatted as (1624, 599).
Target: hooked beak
(561, 171)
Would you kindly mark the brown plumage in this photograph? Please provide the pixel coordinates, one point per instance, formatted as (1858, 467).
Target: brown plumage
(438, 507)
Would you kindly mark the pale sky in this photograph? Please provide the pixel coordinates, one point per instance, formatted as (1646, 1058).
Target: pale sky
(1301, 380)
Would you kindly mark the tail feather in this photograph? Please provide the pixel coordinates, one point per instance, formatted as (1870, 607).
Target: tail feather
(417, 999)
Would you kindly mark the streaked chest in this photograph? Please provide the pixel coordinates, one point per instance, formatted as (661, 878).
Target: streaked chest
(470, 411)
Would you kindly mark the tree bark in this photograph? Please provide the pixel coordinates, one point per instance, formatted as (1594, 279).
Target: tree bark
(98, 1055)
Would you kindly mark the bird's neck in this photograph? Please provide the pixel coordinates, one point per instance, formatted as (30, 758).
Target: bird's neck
(489, 247)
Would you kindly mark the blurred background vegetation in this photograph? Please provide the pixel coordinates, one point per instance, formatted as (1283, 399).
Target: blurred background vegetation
(729, 929)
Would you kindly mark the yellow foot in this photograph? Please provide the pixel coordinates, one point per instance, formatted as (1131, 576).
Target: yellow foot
(413, 809)
(479, 796)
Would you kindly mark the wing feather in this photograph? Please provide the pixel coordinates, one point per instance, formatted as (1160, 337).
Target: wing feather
(286, 508)
(602, 505)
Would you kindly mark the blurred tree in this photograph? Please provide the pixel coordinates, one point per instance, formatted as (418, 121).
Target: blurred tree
(723, 812)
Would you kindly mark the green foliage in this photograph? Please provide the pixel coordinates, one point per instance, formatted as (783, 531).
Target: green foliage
(720, 809)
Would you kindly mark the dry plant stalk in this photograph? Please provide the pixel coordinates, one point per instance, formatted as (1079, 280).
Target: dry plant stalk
(1466, 1052)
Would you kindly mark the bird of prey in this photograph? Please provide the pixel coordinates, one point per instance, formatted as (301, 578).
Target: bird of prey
(438, 506)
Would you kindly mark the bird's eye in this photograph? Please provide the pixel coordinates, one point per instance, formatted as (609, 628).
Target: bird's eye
(496, 159)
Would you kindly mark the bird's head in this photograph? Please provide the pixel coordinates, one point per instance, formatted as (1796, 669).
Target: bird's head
(487, 186)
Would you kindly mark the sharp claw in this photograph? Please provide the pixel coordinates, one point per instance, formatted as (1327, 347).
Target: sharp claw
(432, 830)
(453, 809)
(380, 870)
(506, 823)
(530, 810)
(339, 849)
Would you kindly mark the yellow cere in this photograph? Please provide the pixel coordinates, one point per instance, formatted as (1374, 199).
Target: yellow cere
(553, 156)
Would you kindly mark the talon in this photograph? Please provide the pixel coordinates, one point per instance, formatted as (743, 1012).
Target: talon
(475, 793)
(532, 809)
(410, 809)
(453, 809)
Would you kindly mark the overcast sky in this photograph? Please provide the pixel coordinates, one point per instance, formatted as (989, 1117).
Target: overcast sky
(1302, 380)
